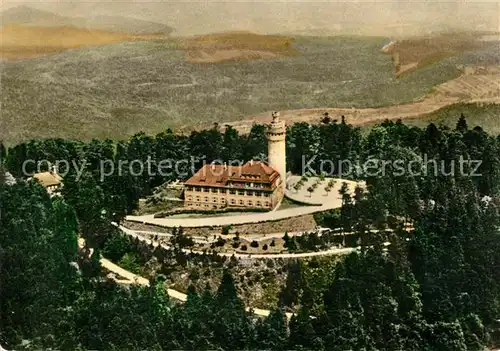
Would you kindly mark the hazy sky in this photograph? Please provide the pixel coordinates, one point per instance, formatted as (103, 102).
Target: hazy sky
(194, 17)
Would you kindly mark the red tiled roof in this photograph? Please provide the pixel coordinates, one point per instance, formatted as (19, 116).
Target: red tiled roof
(255, 171)
(209, 175)
(220, 175)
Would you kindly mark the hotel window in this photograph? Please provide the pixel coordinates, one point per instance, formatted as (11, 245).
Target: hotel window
(206, 198)
(214, 190)
(250, 203)
(241, 193)
(266, 194)
(222, 201)
(267, 203)
(215, 199)
(233, 201)
(232, 192)
(241, 202)
(206, 190)
(189, 198)
(197, 189)
(198, 198)
(259, 203)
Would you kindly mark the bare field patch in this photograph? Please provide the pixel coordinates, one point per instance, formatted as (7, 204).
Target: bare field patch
(237, 46)
(411, 54)
(472, 86)
(25, 42)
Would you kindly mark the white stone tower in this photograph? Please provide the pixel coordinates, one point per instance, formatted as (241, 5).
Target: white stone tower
(276, 147)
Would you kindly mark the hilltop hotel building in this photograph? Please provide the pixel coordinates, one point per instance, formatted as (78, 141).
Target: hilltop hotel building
(255, 184)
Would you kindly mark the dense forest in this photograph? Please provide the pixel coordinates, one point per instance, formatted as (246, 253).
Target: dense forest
(436, 287)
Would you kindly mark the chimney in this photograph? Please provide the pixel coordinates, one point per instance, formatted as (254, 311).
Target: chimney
(225, 166)
(251, 162)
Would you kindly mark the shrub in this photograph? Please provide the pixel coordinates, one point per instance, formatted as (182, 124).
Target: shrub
(226, 229)
(220, 242)
(264, 247)
(194, 275)
(235, 245)
(254, 244)
(243, 247)
(272, 243)
(130, 263)
(116, 246)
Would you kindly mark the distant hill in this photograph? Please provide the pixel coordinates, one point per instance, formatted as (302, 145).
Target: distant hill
(33, 17)
(30, 16)
(117, 90)
(395, 19)
(28, 33)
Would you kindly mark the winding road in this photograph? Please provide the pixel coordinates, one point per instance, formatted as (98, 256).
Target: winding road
(128, 277)
(362, 116)
(333, 251)
(217, 221)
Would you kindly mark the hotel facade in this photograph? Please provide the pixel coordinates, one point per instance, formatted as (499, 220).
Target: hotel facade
(255, 184)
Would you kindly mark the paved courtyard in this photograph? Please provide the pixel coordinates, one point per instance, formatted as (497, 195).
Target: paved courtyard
(319, 196)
